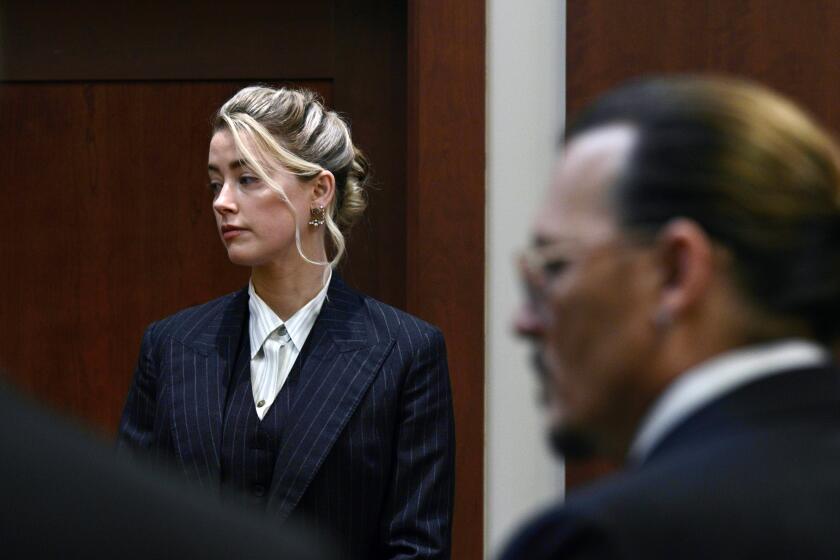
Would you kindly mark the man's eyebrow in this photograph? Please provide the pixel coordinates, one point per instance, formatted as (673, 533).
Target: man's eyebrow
(541, 241)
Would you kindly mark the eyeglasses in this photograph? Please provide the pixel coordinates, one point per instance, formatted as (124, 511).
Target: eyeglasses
(541, 265)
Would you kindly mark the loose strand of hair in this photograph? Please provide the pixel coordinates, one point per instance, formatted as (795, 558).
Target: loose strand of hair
(260, 170)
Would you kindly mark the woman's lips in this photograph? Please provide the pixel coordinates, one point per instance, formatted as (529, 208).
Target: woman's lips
(231, 232)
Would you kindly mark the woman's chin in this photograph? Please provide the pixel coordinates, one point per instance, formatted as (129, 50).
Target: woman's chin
(238, 258)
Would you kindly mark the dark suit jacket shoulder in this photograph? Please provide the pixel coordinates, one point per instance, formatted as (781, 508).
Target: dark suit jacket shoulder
(753, 475)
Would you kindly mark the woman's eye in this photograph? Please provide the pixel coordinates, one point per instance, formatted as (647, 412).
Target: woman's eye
(248, 181)
(215, 187)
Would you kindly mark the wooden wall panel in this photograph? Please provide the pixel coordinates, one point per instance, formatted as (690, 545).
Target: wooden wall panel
(166, 40)
(790, 46)
(370, 90)
(445, 218)
(113, 228)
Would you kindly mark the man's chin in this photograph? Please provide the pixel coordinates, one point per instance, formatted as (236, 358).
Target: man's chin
(572, 444)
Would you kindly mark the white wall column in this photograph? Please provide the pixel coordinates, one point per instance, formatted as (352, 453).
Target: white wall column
(525, 106)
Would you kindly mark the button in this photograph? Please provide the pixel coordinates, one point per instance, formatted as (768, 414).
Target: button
(260, 404)
(259, 490)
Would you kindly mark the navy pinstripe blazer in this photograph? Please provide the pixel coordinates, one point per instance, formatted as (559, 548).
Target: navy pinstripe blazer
(369, 447)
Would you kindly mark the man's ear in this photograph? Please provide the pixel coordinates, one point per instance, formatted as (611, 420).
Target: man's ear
(323, 191)
(687, 265)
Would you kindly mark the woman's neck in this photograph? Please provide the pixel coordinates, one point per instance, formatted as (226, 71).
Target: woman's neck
(285, 289)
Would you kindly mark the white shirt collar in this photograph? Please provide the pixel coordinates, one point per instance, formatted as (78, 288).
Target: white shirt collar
(263, 321)
(713, 378)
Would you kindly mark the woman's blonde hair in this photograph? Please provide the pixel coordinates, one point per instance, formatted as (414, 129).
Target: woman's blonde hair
(291, 128)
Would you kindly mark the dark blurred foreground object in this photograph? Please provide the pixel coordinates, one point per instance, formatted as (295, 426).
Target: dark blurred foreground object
(65, 495)
(683, 300)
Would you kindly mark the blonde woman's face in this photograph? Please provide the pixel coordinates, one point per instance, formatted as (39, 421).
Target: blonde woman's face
(256, 226)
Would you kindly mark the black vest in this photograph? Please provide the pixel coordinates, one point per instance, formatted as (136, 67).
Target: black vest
(249, 445)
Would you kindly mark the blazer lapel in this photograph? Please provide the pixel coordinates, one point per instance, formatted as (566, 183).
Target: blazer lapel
(340, 359)
(201, 374)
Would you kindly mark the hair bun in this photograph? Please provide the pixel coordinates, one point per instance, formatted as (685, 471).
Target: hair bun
(353, 196)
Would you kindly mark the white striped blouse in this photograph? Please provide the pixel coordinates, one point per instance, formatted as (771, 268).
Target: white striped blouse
(275, 344)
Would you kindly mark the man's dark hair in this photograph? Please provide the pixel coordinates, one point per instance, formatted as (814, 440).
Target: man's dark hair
(750, 168)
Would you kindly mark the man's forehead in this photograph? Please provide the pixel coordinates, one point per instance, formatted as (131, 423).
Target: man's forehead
(578, 203)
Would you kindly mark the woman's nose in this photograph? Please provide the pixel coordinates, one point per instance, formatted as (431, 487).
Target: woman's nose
(225, 202)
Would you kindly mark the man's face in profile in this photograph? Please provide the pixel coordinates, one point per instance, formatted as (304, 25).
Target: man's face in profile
(590, 291)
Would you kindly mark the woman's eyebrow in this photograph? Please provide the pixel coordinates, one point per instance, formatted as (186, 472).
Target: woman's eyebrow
(234, 165)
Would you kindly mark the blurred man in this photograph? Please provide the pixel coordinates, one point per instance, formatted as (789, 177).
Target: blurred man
(684, 285)
(64, 495)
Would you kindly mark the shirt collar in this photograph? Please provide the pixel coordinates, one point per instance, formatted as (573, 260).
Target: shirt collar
(263, 320)
(713, 378)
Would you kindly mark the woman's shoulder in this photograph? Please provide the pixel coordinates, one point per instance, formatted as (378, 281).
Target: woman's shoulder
(228, 308)
(396, 321)
(418, 342)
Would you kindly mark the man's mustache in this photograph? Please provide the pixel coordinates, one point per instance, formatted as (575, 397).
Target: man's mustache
(564, 441)
(540, 368)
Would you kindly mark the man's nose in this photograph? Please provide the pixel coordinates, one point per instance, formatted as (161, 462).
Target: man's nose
(528, 322)
(225, 202)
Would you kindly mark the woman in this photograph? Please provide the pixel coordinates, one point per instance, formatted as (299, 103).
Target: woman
(296, 393)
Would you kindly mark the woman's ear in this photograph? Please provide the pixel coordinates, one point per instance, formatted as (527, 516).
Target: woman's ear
(323, 192)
